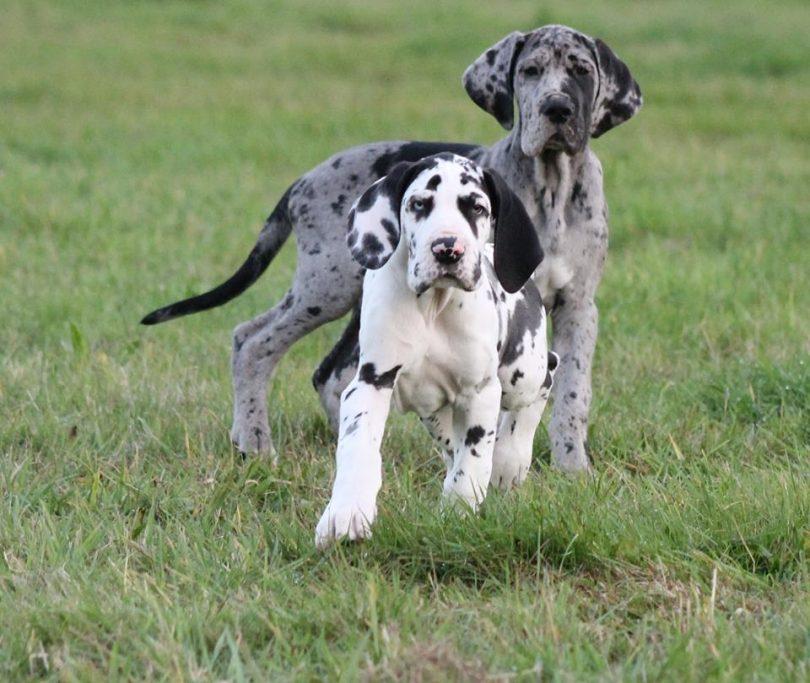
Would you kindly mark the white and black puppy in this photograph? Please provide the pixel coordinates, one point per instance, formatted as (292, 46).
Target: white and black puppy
(451, 328)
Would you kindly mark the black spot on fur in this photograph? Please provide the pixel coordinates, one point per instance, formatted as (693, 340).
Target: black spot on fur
(466, 205)
(422, 212)
(371, 245)
(413, 151)
(391, 231)
(516, 375)
(368, 375)
(477, 270)
(368, 198)
(474, 435)
(465, 178)
(526, 317)
(434, 182)
(314, 310)
(339, 204)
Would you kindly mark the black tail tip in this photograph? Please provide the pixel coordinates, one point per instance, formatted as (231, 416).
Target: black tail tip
(156, 317)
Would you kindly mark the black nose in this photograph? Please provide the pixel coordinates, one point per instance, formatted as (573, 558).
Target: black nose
(446, 250)
(558, 109)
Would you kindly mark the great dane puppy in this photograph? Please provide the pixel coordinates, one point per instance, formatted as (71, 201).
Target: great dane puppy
(449, 329)
(568, 88)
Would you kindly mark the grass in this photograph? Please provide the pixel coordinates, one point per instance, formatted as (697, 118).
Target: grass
(141, 146)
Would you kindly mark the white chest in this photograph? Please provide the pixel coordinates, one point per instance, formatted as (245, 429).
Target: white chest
(456, 359)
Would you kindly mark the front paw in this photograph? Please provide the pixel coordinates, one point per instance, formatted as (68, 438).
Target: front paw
(461, 491)
(508, 474)
(345, 517)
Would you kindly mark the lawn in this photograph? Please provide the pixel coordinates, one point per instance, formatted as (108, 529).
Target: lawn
(141, 146)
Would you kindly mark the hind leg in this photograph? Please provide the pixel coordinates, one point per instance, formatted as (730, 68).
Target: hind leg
(259, 344)
(337, 369)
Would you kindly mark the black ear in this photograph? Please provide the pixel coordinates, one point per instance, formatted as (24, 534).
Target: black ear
(618, 97)
(488, 80)
(374, 219)
(517, 249)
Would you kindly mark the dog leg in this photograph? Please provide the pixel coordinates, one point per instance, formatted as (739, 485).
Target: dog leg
(258, 345)
(440, 426)
(574, 340)
(512, 457)
(337, 370)
(364, 409)
(475, 422)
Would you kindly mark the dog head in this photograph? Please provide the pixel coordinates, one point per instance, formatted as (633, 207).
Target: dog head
(440, 212)
(568, 87)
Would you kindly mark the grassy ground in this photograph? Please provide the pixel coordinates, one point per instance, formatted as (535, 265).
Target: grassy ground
(141, 145)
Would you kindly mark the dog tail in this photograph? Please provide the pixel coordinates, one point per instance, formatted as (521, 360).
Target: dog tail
(276, 230)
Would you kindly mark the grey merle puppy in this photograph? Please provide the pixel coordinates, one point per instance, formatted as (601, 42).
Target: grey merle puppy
(569, 87)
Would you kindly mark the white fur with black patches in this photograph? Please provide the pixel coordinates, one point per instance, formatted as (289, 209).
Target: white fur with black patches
(447, 342)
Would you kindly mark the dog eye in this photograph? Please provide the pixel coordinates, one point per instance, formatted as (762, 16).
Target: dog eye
(479, 209)
(531, 71)
(417, 204)
(582, 69)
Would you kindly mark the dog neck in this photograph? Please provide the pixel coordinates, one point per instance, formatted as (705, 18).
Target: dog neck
(544, 183)
(435, 300)
(432, 301)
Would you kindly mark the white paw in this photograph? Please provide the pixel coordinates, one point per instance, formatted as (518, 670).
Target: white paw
(345, 518)
(460, 490)
(508, 474)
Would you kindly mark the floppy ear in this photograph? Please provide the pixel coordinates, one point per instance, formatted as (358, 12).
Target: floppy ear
(618, 96)
(517, 249)
(488, 80)
(374, 219)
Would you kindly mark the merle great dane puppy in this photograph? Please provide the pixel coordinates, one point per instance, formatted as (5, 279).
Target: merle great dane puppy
(451, 328)
(569, 87)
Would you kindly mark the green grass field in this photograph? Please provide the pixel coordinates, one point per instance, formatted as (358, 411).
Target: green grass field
(141, 146)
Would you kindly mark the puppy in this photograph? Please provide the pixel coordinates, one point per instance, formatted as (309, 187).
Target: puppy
(451, 328)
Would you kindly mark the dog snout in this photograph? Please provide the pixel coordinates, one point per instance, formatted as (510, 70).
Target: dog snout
(447, 250)
(558, 108)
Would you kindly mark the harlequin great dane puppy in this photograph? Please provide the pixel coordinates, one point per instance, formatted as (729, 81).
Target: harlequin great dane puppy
(448, 330)
(568, 87)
